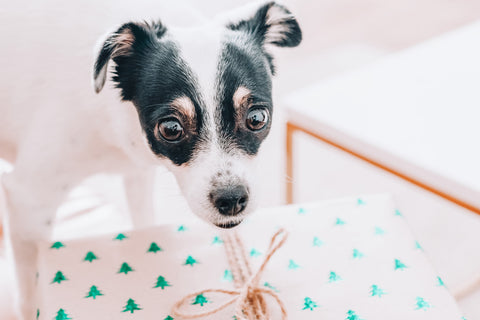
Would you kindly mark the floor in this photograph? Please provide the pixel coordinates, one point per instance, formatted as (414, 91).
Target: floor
(339, 35)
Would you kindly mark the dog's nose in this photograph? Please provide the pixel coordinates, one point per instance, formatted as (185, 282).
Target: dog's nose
(230, 201)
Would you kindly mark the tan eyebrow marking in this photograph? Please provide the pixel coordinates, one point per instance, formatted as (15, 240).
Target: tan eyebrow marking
(240, 96)
(185, 105)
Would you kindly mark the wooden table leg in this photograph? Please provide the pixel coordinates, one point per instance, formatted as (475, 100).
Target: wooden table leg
(289, 164)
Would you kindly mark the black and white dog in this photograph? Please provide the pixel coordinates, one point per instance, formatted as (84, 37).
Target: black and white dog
(202, 105)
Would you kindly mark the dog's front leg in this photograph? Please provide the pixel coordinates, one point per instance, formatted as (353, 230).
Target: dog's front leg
(31, 207)
(139, 187)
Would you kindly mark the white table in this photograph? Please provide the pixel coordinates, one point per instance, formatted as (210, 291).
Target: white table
(415, 114)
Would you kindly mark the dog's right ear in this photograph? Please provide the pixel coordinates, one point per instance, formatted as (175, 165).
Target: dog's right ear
(120, 46)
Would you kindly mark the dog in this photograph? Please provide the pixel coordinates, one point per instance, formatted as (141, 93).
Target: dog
(195, 100)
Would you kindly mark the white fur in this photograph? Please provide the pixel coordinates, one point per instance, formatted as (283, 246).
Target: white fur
(57, 133)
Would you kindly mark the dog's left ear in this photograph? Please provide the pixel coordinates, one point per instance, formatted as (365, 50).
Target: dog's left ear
(272, 24)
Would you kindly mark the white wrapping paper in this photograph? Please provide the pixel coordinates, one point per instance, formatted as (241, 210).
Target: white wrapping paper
(351, 259)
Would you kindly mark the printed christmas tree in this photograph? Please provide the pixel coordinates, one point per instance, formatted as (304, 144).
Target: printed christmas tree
(200, 299)
(182, 228)
(154, 248)
(190, 261)
(379, 231)
(93, 293)
(351, 315)
(57, 245)
(440, 282)
(292, 265)
(333, 277)
(59, 277)
(131, 306)
(339, 222)
(168, 318)
(61, 315)
(309, 304)
(268, 285)
(90, 256)
(38, 314)
(302, 211)
(120, 237)
(228, 276)
(399, 265)
(125, 268)
(317, 242)
(418, 246)
(398, 213)
(162, 283)
(217, 240)
(421, 304)
(360, 201)
(357, 254)
(376, 291)
(255, 253)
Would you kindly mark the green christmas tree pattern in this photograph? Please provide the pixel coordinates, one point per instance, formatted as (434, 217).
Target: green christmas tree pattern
(217, 240)
(398, 213)
(125, 268)
(268, 285)
(62, 315)
(200, 299)
(190, 261)
(168, 318)
(162, 283)
(120, 237)
(440, 282)
(228, 276)
(93, 293)
(379, 231)
(375, 291)
(351, 315)
(360, 201)
(418, 246)
(59, 277)
(131, 306)
(90, 256)
(357, 254)
(309, 304)
(255, 253)
(317, 242)
(334, 277)
(57, 245)
(399, 265)
(182, 228)
(302, 211)
(421, 304)
(339, 222)
(292, 265)
(38, 314)
(154, 248)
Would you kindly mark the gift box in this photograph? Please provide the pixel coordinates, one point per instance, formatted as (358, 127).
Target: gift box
(353, 259)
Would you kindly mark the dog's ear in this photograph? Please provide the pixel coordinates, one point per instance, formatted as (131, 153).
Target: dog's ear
(121, 46)
(272, 24)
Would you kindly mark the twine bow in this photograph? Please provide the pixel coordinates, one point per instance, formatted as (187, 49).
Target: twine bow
(248, 296)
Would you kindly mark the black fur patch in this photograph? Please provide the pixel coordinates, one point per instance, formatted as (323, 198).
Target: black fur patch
(258, 26)
(152, 74)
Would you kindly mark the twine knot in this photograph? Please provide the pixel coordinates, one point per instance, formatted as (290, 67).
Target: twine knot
(248, 296)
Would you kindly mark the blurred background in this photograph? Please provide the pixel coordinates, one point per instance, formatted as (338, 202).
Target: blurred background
(340, 36)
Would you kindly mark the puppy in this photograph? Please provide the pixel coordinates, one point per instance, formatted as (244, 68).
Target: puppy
(196, 100)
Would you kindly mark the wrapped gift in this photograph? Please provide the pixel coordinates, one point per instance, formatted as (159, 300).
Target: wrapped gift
(351, 259)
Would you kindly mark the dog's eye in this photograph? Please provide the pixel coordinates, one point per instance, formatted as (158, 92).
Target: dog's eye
(257, 118)
(170, 130)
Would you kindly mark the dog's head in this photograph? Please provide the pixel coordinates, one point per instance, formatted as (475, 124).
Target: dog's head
(204, 100)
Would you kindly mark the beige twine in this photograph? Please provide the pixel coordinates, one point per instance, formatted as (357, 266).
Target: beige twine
(250, 303)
